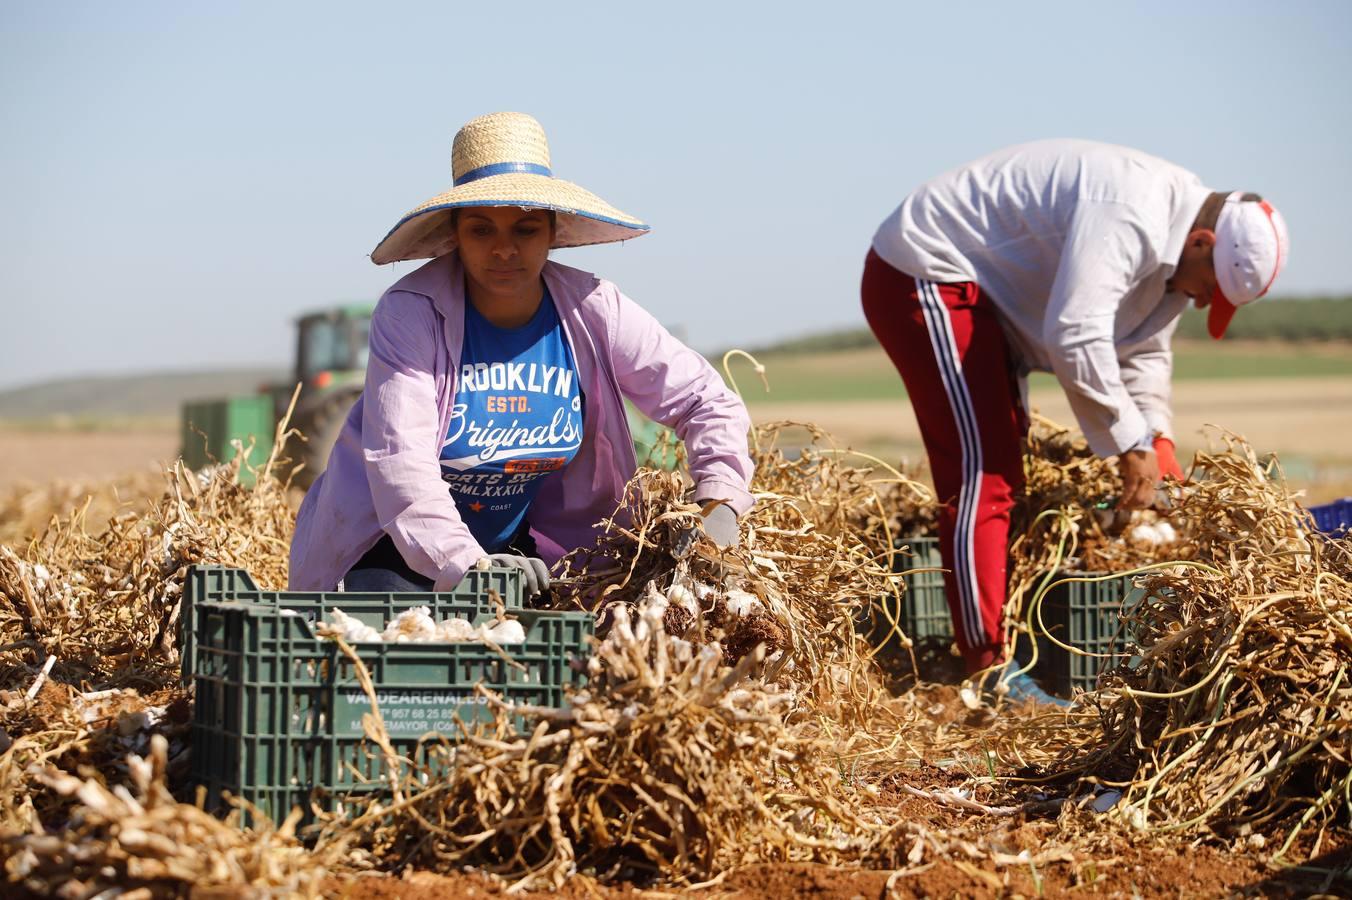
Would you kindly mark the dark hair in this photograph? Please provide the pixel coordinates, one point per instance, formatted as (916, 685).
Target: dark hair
(553, 218)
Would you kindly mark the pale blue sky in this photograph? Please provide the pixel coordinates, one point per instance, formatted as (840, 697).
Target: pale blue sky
(180, 179)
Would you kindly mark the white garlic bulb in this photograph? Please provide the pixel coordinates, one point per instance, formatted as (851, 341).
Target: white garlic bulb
(413, 626)
(456, 631)
(743, 604)
(508, 631)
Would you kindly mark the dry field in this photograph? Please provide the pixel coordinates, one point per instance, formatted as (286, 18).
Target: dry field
(756, 752)
(914, 812)
(1306, 422)
(37, 457)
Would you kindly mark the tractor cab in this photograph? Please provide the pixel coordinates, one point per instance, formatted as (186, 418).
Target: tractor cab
(331, 345)
(331, 352)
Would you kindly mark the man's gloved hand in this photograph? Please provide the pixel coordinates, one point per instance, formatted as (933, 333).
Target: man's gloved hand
(720, 525)
(1164, 454)
(534, 572)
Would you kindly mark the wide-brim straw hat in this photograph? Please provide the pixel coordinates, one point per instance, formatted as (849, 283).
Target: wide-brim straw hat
(502, 159)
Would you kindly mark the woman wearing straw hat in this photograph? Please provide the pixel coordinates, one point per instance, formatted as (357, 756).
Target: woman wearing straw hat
(492, 423)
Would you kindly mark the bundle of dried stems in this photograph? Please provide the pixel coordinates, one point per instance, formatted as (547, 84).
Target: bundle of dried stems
(105, 605)
(1238, 715)
(793, 586)
(88, 625)
(1053, 525)
(142, 842)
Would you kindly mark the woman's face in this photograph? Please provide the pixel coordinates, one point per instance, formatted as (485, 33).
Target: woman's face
(504, 249)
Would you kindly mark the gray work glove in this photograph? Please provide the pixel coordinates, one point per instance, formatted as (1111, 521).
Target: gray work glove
(534, 572)
(720, 525)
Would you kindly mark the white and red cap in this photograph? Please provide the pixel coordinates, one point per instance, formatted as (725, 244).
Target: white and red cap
(1251, 248)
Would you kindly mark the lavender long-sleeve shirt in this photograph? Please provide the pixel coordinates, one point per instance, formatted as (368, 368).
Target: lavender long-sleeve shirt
(384, 474)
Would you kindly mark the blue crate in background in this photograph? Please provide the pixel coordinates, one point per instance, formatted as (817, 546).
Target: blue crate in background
(1333, 518)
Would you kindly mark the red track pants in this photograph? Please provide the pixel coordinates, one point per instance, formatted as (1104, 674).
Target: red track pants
(947, 342)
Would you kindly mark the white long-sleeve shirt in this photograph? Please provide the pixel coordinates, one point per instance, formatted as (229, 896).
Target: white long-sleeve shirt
(1073, 241)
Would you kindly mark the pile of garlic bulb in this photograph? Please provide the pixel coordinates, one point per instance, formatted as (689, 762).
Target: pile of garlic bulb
(416, 626)
(1155, 534)
(690, 596)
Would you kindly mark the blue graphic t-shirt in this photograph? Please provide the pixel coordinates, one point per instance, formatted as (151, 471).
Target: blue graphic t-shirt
(517, 417)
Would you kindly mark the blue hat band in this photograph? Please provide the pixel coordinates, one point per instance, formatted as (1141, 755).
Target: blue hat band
(503, 168)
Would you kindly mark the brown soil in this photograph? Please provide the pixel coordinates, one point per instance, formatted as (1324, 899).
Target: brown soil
(1150, 867)
(1130, 872)
(750, 633)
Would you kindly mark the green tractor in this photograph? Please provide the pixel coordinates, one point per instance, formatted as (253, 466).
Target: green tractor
(331, 351)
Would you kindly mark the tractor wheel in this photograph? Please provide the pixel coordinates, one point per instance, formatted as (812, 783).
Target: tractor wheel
(322, 428)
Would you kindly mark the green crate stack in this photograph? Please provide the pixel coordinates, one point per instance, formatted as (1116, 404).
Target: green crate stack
(923, 614)
(1086, 615)
(277, 711)
(210, 426)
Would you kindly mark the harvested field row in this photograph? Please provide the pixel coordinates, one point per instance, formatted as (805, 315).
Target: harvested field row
(735, 733)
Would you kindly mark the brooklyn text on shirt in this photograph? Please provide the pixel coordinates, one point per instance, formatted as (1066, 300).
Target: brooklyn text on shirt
(533, 377)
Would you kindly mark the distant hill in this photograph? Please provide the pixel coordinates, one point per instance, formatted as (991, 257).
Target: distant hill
(1280, 319)
(154, 395)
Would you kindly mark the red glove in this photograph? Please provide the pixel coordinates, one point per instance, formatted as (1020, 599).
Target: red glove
(1164, 455)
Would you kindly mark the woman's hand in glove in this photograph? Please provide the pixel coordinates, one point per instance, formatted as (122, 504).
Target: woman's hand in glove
(720, 526)
(534, 572)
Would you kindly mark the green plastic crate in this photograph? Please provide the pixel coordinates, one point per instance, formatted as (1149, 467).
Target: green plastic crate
(924, 611)
(223, 584)
(1088, 616)
(210, 426)
(277, 711)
